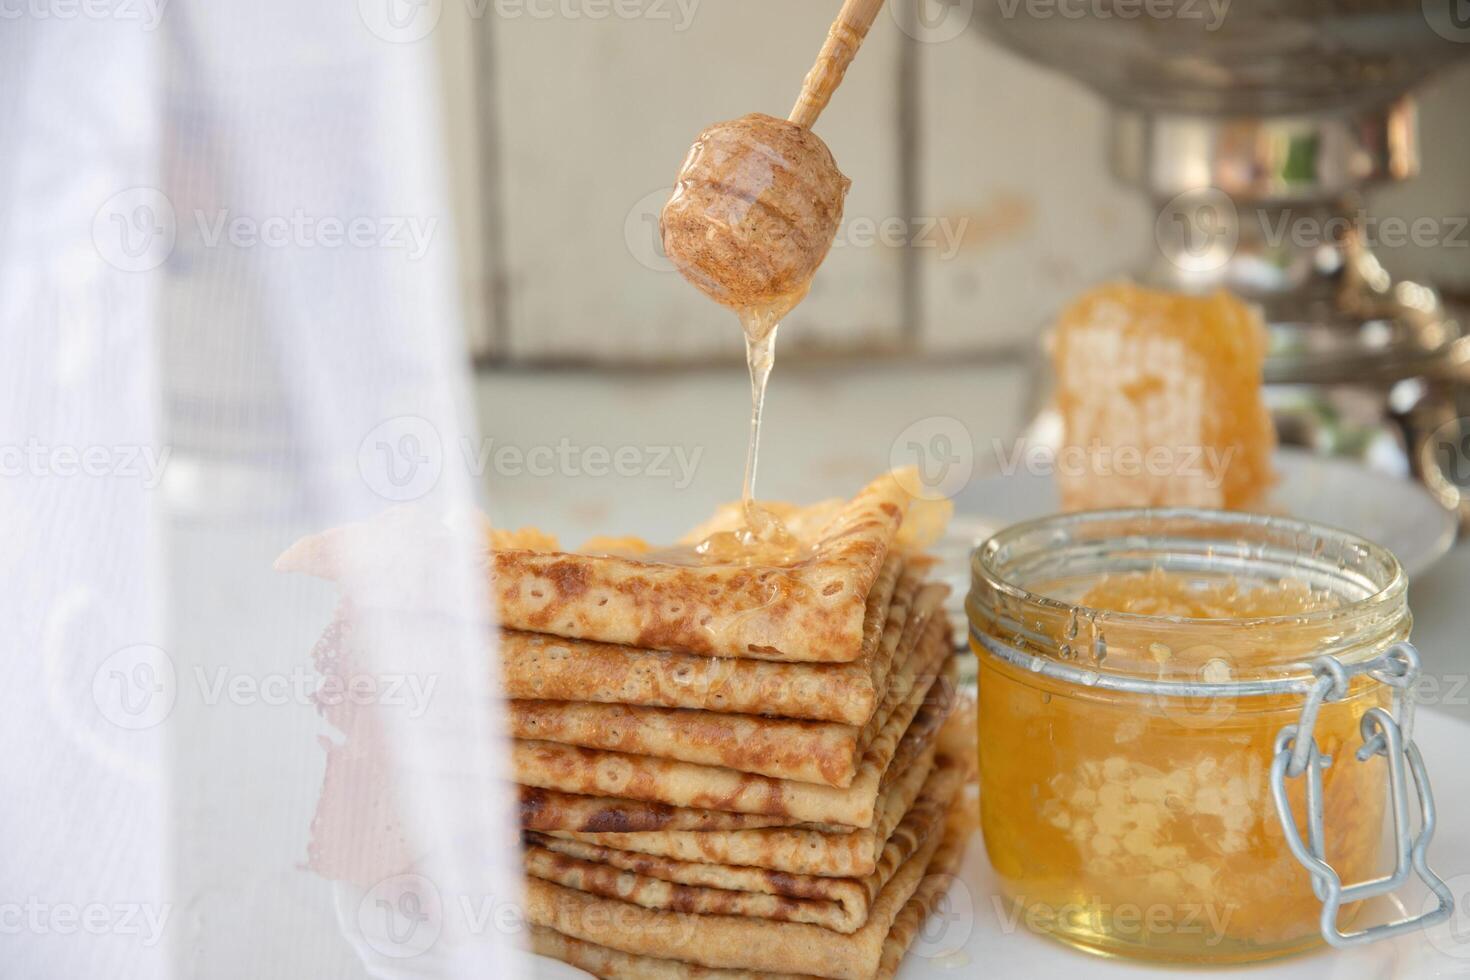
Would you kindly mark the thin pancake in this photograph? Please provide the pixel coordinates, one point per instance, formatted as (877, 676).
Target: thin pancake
(614, 964)
(541, 667)
(840, 904)
(548, 810)
(812, 611)
(570, 769)
(736, 838)
(731, 942)
(597, 819)
(804, 751)
(805, 850)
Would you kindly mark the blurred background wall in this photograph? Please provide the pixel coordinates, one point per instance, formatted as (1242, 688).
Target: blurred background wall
(981, 196)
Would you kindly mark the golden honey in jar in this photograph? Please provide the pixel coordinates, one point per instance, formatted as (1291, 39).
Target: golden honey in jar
(1136, 668)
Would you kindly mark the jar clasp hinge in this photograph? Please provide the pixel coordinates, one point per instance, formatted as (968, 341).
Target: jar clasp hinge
(1391, 736)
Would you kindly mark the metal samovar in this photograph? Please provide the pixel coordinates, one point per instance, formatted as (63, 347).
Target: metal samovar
(1254, 129)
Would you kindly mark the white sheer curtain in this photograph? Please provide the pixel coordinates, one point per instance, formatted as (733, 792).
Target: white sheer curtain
(228, 319)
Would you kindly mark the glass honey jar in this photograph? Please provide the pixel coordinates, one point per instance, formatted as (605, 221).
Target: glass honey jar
(1195, 733)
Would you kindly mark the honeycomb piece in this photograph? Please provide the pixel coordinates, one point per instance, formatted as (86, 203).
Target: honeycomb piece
(1160, 397)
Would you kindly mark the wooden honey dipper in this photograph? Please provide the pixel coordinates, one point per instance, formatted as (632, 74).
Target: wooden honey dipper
(758, 200)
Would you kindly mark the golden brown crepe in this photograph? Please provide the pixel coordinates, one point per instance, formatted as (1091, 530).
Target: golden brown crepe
(732, 942)
(836, 903)
(614, 964)
(541, 667)
(594, 772)
(554, 668)
(804, 751)
(804, 849)
(549, 810)
(810, 611)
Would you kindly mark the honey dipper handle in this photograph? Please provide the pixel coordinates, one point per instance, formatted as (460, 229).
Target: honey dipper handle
(847, 33)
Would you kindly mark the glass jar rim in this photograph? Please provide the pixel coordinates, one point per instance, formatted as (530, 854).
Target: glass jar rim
(1392, 590)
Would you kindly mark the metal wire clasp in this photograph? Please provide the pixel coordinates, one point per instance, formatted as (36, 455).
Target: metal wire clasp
(1385, 734)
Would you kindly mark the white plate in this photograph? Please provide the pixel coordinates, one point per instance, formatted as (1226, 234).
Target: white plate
(1394, 512)
(974, 935)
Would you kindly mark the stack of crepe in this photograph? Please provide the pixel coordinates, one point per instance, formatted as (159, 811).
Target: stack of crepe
(732, 770)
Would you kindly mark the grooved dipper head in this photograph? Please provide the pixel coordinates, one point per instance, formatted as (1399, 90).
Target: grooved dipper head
(754, 211)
